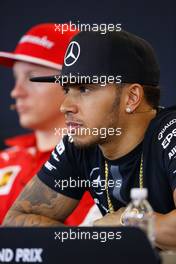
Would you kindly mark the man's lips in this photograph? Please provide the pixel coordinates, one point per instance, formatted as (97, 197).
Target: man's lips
(21, 108)
(73, 125)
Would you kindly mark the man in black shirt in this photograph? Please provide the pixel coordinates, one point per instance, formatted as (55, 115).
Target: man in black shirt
(118, 138)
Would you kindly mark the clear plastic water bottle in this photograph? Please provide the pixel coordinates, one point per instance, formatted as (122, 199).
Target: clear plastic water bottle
(139, 213)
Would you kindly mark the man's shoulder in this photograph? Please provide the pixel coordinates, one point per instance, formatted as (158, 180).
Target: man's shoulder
(24, 140)
(165, 113)
(164, 121)
(16, 146)
(162, 130)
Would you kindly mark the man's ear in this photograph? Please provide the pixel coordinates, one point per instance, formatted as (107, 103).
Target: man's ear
(134, 96)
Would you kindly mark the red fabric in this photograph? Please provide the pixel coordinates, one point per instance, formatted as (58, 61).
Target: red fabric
(81, 211)
(18, 164)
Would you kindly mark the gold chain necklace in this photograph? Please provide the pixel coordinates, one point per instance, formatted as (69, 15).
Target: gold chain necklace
(110, 205)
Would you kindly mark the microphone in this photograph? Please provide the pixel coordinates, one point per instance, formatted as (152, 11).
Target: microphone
(12, 107)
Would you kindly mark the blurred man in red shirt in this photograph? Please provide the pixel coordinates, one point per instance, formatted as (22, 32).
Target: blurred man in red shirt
(39, 52)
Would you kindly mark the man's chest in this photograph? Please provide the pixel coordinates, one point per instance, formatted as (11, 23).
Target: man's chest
(117, 182)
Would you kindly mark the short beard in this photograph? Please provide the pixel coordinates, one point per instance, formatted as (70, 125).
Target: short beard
(113, 116)
(92, 143)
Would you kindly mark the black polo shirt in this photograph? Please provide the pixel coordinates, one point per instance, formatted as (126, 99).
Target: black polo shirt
(71, 170)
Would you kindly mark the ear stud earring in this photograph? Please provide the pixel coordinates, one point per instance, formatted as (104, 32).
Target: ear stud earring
(128, 110)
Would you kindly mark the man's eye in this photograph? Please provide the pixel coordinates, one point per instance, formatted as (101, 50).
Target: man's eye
(84, 89)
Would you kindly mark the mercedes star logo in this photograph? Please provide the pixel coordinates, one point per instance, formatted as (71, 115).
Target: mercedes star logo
(72, 53)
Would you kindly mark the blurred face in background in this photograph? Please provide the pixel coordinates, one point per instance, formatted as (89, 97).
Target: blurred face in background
(37, 104)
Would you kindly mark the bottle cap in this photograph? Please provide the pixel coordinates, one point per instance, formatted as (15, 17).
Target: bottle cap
(138, 193)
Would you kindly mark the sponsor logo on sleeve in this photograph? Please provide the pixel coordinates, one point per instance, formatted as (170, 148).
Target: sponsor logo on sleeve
(161, 133)
(166, 142)
(55, 156)
(49, 166)
(7, 178)
(60, 147)
(172, 153)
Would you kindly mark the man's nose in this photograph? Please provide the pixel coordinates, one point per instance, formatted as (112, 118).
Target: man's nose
(18, 90)
(69, 105)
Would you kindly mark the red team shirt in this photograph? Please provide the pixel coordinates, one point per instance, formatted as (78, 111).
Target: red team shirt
(18, 164)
